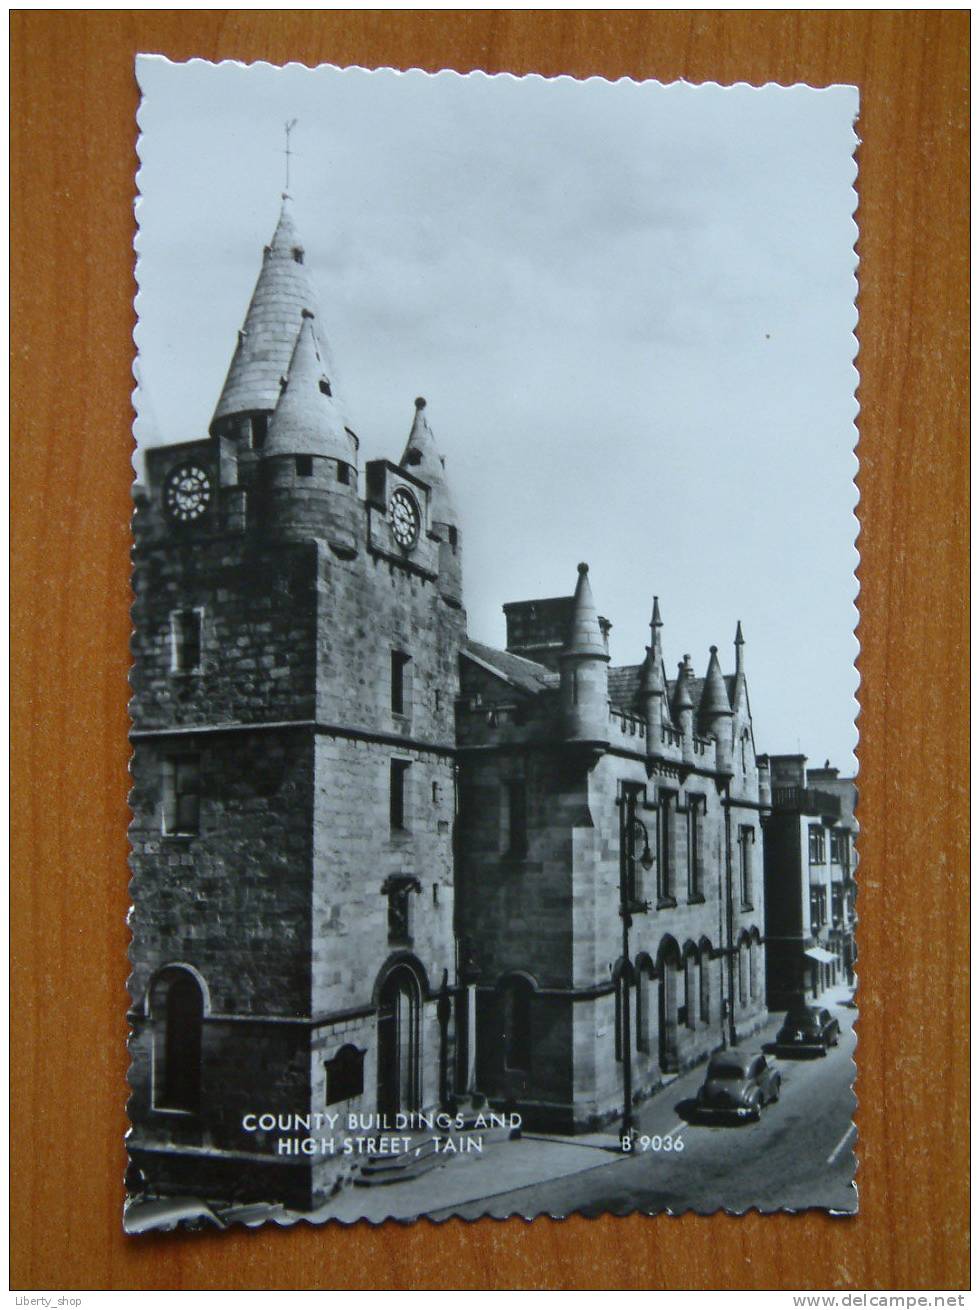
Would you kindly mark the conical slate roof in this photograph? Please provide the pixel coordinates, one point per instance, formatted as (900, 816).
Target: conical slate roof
(584, 633)
(714, 697)
(682, 690)
(422, 458)
(306, 421)
(265, 343)
(652, 676)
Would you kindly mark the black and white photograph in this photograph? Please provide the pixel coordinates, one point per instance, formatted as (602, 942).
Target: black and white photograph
(493, 842)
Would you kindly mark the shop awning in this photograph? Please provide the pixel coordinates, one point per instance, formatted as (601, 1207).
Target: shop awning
(820, 955)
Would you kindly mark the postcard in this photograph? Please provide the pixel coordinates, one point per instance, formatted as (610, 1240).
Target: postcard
(493, 836)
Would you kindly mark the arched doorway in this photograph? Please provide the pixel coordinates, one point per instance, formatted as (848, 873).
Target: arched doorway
(399, 1023)
(669, 966)
(177, 1006)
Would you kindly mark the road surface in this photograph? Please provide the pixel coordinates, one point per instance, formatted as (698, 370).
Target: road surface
(799, 1155)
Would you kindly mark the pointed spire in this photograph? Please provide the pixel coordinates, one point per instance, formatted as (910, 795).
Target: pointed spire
(306, 421)
(422, 458)
(652, 674)
(714, 696)
(739, 643)
(584, 632)
(267, 337)
(656, 623)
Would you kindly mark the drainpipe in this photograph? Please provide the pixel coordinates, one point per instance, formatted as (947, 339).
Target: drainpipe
(730, 916)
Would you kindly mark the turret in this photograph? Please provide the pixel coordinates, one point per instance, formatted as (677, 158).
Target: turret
(683, 707)
(267, 339)
(715, 713)
(308, 476)
(422, 459)
(653, 692)
(584, 663)
(765, 780)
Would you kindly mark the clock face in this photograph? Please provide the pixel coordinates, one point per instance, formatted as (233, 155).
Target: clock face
(406, 520)
(187, 492)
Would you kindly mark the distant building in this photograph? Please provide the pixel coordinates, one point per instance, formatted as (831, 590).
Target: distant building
(808, 840)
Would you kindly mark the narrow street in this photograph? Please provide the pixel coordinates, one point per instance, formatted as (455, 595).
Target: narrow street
(799, 1155)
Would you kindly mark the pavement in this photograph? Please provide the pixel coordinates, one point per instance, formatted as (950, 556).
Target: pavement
(799, 1155)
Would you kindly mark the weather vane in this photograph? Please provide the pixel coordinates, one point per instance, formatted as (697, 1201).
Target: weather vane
(288, 153)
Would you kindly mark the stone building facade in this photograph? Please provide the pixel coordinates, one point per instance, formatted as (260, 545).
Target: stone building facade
(297, 627)
(591, 796)
(376, 866)
(809, 853)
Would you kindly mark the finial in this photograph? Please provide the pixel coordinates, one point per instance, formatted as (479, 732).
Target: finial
(656, 621)
(713, 650)
(583, 569)
(308, 313)
(420, 402)
(288, 153)
(739, 639)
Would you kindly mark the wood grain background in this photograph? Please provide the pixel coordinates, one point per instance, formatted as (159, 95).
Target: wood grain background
(74, 101)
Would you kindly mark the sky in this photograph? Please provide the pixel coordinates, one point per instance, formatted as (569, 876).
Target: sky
(629, 306)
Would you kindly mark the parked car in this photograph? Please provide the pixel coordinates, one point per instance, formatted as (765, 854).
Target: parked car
(808, 1028)
(737, 1085)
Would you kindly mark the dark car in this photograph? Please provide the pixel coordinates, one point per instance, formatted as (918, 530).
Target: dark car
(737, 1085)
(808, 1028)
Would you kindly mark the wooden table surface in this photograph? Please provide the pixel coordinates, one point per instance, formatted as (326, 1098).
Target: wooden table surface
(74, 102)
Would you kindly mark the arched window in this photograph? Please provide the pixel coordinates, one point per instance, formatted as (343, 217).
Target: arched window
(177, 1006)
(515, 1008)
(691, 987)
(705, 998)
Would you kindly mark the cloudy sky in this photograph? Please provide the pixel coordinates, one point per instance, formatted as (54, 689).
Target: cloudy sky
(630, 308)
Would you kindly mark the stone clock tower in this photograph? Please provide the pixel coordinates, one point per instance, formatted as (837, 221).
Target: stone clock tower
(297, 632)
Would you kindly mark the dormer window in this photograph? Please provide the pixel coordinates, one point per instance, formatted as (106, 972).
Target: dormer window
(325, 387)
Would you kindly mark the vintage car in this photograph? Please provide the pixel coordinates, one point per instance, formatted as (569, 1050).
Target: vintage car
(807, 1028)
(737, 1085)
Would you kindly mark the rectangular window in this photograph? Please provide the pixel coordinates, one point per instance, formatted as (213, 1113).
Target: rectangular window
(818, 908)
(514, 813)
(696, 806)
(818, 850)
(399, 916)
(399, 794)
(343, 473)
(399, 681)
(453, 538)
(665, 862)
(837, 903)
(185, 640)
(304, 466)
(634, 846)
(746, 841)
(260, 428)
(839, 848)
(181, 795)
